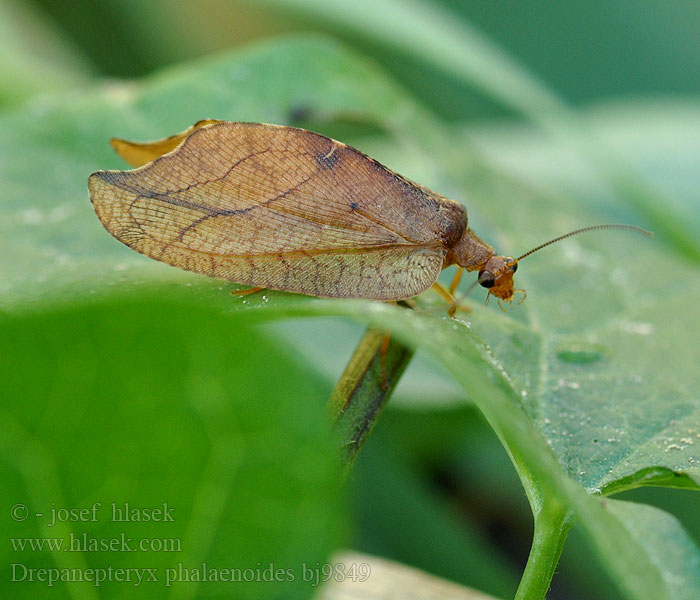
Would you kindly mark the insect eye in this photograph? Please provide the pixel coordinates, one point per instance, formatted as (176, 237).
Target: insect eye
(514, 267)
(486, 279)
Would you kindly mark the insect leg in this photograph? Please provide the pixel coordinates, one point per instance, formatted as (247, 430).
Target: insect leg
(246, 292)
(455, 282)
(450, 299)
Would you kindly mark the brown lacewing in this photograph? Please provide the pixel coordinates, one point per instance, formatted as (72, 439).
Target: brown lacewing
(287, 209)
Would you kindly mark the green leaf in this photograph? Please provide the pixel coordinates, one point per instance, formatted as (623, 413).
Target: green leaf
(628, 534)
(152, 404)
(591, 384)
(587, 349)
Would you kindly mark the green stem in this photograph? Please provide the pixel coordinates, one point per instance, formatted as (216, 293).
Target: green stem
(365, 387)
(552, 524)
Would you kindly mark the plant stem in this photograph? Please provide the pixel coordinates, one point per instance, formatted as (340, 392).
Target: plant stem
(365, 387)
(552, 524)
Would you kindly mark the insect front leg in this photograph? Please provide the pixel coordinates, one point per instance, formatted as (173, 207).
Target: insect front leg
(454, 306)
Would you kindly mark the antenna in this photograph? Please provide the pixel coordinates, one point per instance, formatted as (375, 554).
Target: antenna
(584, 229)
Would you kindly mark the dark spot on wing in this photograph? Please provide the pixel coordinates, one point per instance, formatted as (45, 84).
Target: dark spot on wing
(328, 160)
(354, 205)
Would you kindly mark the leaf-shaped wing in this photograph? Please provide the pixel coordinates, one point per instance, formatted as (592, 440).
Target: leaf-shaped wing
(281, 208)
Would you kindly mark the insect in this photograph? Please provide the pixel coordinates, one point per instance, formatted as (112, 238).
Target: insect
(287, 209)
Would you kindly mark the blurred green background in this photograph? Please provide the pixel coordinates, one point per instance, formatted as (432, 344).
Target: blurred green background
(586, 51)
(433, 488)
